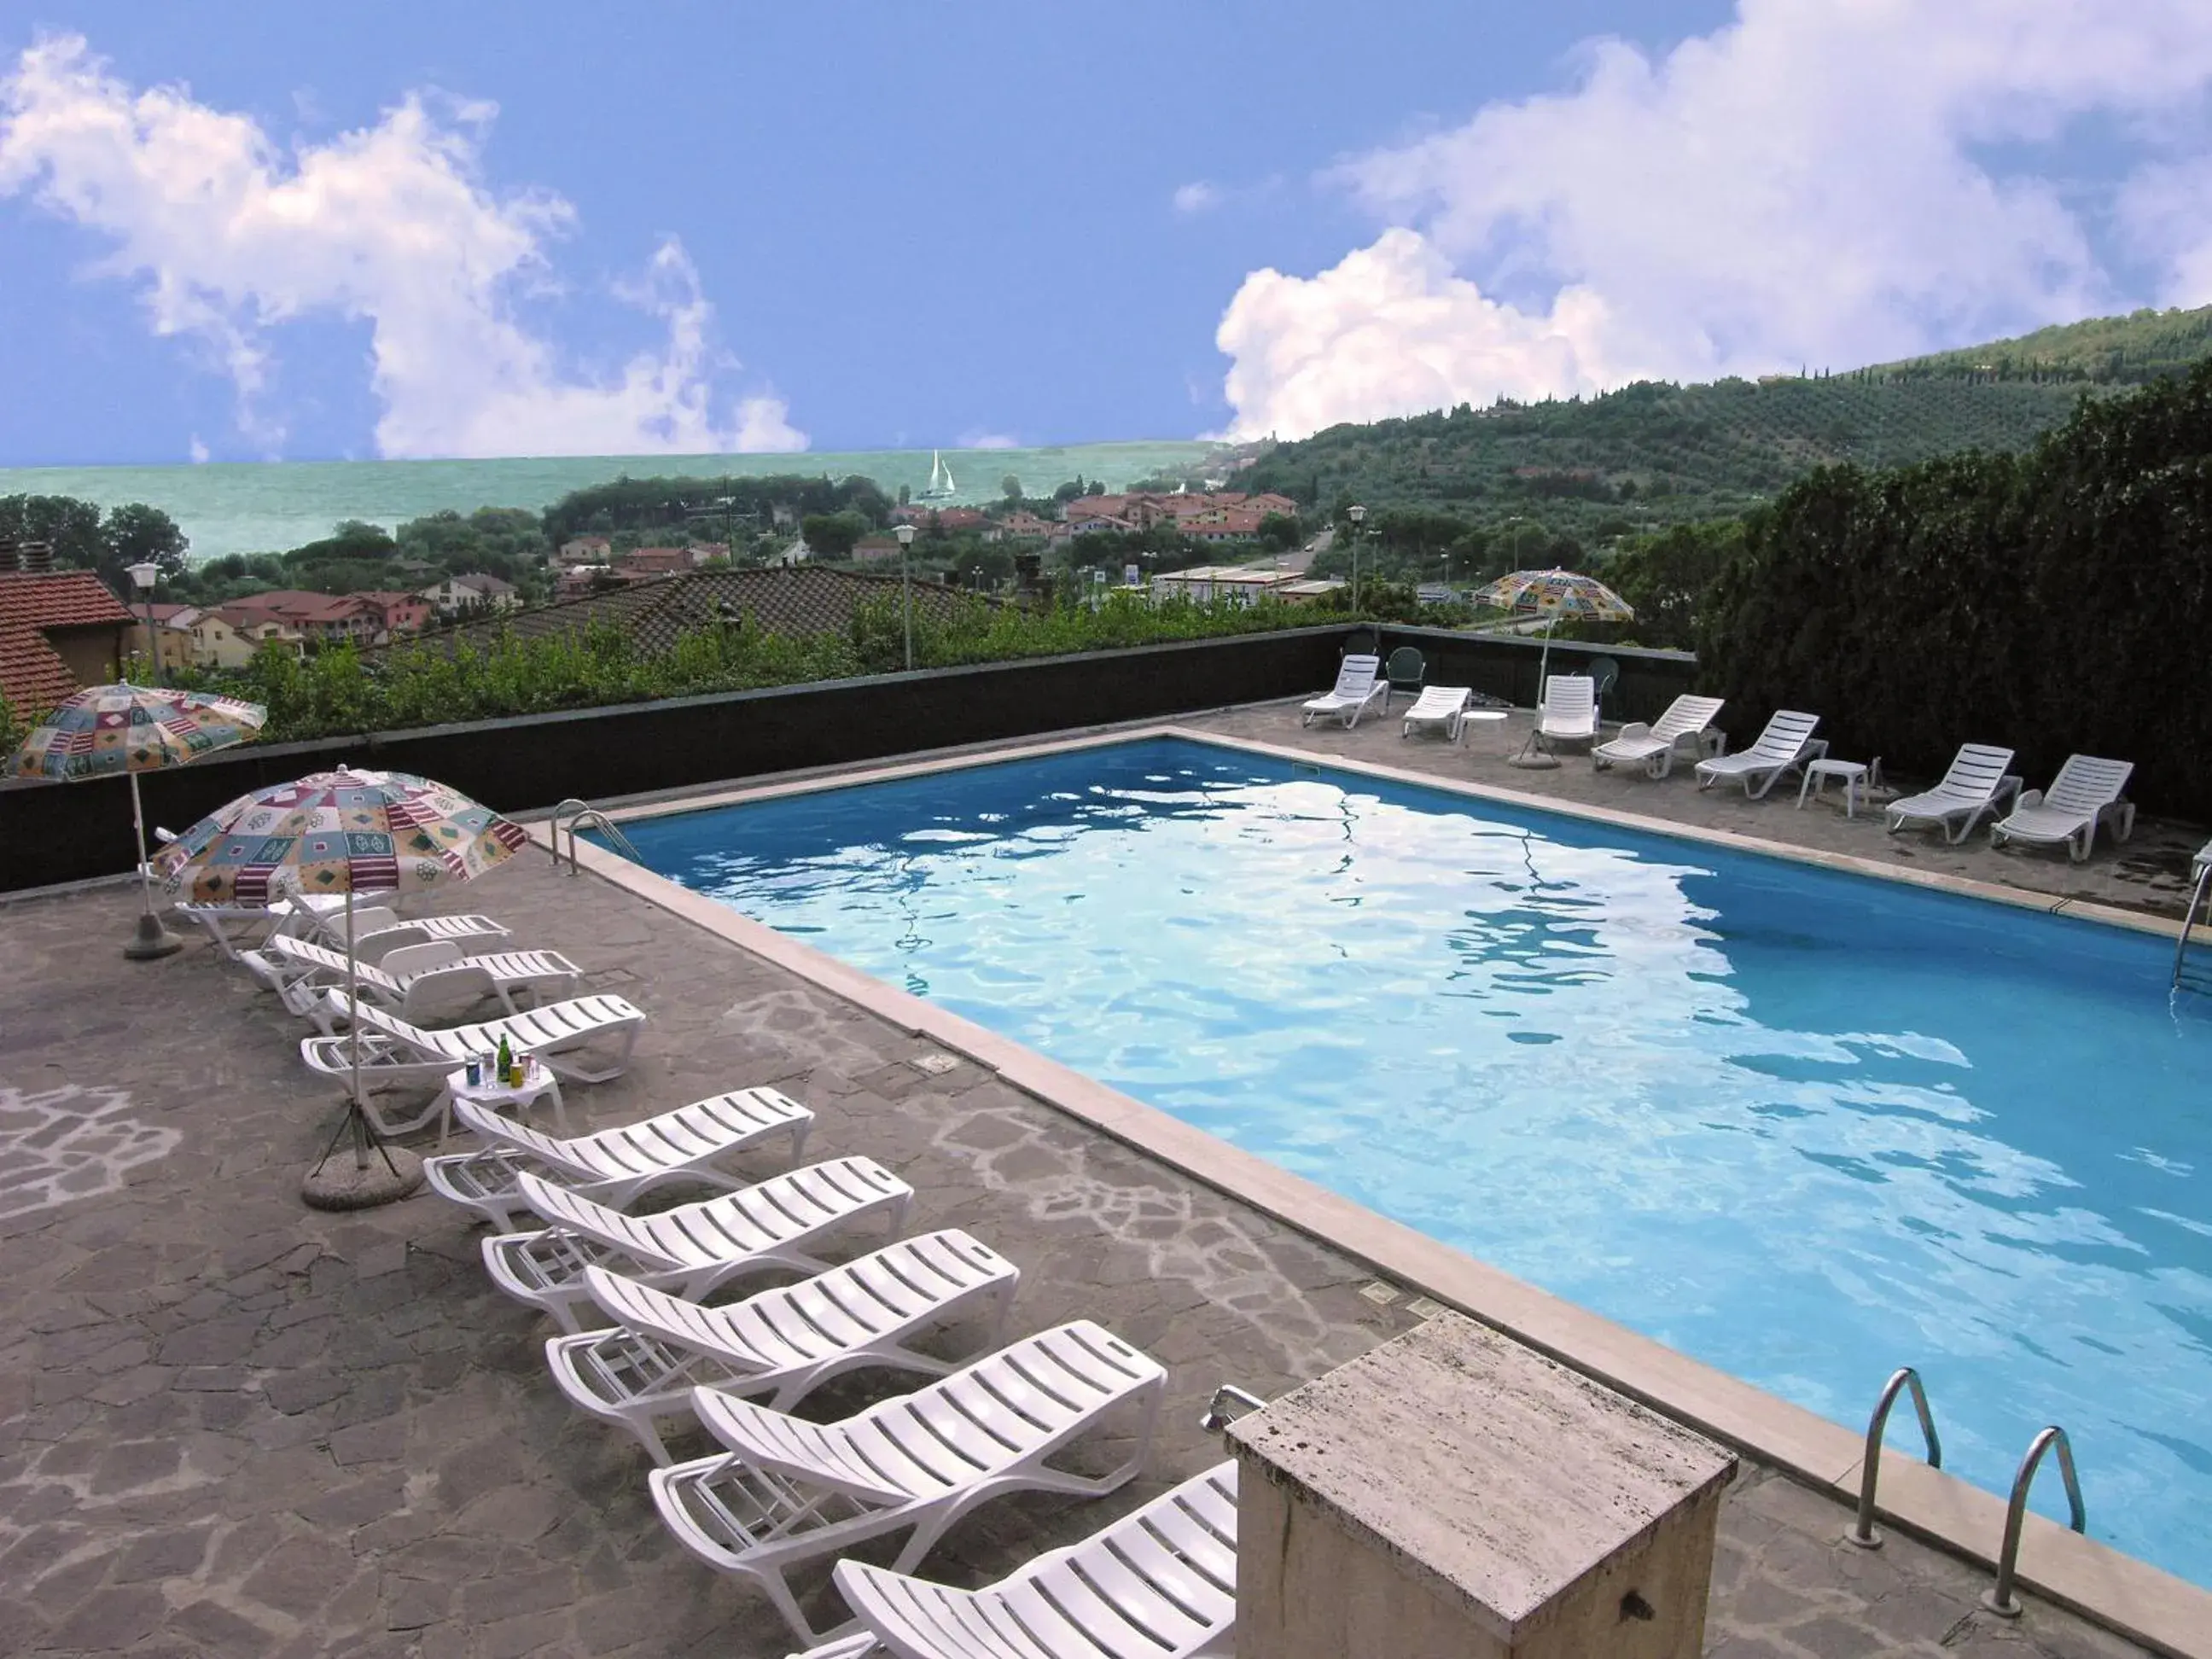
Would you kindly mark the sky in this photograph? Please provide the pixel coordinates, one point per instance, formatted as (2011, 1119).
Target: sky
(250, 231)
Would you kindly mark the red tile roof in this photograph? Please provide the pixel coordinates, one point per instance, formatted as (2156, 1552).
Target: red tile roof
(32, 677)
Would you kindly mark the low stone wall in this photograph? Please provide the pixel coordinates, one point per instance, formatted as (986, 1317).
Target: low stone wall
(53, 833)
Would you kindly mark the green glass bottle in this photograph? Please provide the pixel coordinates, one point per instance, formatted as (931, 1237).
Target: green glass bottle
(505, 1065)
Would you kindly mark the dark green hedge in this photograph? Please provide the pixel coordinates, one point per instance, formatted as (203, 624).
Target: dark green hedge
(2054, 601)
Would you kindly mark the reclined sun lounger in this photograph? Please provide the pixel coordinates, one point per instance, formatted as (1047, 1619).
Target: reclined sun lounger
(790, 1491)
(418, 974)
(694, 1247)
(394, 1051)
(233, 927)
(1568, 712)
(1974, 787)
(1357, 688)
(1784, 746)
(1685, 724)
(782, 1343)
(1439, 708)
(1159, 1584)
(614, 1166)
(2085, 793)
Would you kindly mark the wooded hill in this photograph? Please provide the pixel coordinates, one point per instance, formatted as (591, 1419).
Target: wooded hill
(1654, 453)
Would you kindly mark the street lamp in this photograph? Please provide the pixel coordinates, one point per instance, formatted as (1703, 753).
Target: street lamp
(1359, 518)
(976, 577)
(905, 534)
(142, 577)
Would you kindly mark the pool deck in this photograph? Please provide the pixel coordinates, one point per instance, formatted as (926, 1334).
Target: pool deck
(229, 1424)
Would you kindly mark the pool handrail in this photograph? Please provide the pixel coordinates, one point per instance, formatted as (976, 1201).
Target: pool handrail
(587, 816)
(2201, 874)
(1862, 1531)
(1999, 1598)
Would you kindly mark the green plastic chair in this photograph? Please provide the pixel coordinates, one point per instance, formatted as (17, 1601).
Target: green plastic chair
(1405, 671)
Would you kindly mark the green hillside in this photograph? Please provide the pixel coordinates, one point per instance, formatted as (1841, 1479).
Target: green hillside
(1653, 454)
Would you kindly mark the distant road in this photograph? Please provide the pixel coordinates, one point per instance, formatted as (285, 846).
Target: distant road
(1298, 559)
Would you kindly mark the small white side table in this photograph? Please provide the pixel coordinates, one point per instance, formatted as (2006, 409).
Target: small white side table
(1851, 774)
(538, 1082)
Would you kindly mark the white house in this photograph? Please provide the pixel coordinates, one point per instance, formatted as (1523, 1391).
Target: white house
(476, 591)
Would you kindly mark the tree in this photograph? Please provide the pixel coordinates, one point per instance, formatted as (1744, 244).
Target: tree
(1279, 532)
(1010, 487)
(138, 534)
(831, 535)
(70, 526)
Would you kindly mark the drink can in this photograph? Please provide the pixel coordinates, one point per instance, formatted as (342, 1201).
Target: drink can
(475, 1073)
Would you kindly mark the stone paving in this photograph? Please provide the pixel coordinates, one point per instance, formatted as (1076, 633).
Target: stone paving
(231, 1426)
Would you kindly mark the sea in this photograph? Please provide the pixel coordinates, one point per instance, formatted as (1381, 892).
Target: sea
(227, 508)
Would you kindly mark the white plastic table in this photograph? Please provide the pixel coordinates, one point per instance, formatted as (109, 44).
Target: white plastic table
(537, 1081)
(1852, 773)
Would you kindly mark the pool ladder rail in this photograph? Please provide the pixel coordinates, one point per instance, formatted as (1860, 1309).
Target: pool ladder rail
(582, 815)
(2200, 872)
(1998, 1598)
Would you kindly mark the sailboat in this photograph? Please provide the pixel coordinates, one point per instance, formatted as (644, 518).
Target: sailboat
(939, 487)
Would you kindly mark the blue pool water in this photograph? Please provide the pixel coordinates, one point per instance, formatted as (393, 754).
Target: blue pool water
(1805, 1126)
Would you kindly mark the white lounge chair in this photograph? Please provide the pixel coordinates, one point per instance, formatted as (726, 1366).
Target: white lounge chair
(1439, 708)
(2085, 794)
(1568, 712)
(1159, 1584)
(693, 1248)
(1976, 786)
(393, 1051)
(1687, 722)
(1357, 688)
(1784, 746)
(782, 1343)
(233, 927)
(789, 1491)
(614, 1166)
(300, 972)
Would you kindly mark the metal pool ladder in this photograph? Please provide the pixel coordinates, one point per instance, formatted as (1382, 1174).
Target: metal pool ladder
(1862, 1532)
(585, 816)
(1999, 1598)
(2201, 869)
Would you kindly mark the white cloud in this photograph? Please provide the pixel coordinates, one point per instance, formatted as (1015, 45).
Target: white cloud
(1813, 184)
(1196, 197)
(979, 439)
(232, 237)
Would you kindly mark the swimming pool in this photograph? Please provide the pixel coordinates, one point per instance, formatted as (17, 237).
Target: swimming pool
(1803, 1125)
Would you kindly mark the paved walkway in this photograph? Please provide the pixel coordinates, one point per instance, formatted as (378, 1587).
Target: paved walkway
(231, 1425)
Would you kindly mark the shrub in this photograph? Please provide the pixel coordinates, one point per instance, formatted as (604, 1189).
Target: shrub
(2055, 601)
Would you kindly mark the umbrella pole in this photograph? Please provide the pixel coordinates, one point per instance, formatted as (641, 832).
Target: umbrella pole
(152, 940)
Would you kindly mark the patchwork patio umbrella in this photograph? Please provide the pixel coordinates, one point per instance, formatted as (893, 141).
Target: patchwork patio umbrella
(1552, 594)
(338, 833)
(106, 729)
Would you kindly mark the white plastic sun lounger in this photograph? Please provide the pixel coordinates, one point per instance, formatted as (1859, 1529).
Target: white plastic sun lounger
(614, 1166)
(791, 1491)
(694, 1247)
(1159, 1584)
(233, 927)
(1357, 689)
(1974, 787)
(1784, 746)
(301, 972)
(394, 1051)
(1686, 722)
(782, 1343)
(1568, 712)
(2085, 794)
(1439, 708)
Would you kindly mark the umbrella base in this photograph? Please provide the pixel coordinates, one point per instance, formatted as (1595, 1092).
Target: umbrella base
(1537, 761)
(152, 940)
(347, 1183)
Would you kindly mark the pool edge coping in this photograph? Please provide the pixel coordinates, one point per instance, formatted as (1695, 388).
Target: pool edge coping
(2115, 1590)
